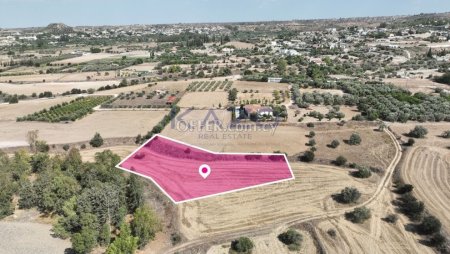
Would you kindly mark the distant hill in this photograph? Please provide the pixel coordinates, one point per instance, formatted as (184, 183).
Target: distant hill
(58, 28)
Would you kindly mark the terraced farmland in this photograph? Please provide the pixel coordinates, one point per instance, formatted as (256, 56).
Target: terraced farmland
(67, 111)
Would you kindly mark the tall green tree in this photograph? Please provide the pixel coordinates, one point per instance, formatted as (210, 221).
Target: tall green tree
(135, 193)
(125, 243)
(145, 225)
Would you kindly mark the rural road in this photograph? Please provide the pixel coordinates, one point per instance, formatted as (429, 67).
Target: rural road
(265, 229)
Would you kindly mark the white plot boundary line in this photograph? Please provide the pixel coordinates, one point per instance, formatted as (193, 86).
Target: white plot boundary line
(211, 195)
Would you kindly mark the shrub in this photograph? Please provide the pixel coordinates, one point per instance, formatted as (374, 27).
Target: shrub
(311, 142)
(340, 161)
(349, 195)
(311, 134)
(446, 134)
(335, 143)
(410, 142)
(242, 245)
(438, 240)
(66, 147)
(359, 215)
(175, 238)
(362, 172)
(404, 188)
(391, 218)
(332, 233)
(429, 225)
(411, 206)
(42, 146)
(310, 125)
(292, 239)
(96, 141)
(355, 139)
(418, 132)
(308, 156)
(83, 146)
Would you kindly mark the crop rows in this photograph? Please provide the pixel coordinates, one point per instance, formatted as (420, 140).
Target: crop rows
(209, 86)
(67, 111)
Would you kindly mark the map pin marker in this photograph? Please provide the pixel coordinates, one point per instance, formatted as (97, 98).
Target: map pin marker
(204, 170)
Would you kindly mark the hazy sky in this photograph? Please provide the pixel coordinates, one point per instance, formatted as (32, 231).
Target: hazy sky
(26, 13)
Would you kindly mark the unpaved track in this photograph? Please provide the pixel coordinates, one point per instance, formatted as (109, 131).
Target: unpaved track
(268, 228)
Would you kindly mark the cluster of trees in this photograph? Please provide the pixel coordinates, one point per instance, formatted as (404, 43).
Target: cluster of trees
(184, 57)
(71, 111)
(418, 132)
(376, 100)
(444, 79)
(428, 225)
(90, 200)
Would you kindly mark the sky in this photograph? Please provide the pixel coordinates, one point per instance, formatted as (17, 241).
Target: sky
(28, 13)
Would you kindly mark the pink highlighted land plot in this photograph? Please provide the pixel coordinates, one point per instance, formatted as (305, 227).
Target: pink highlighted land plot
(175, 168)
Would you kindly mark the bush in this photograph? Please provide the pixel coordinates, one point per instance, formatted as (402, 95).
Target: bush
(335, 143)
(243, 245)
(446, 134)
(292, 239)
(308, 156)
(349, 195)
(418, 132)
(404, 188)
(438, 240)
(359, 215)
(175, 238)
(411, 206)
(391, 218)
(429, 225)
(311, 134)
(66, 147)
(311, 142)
(332, 233)
(42, 146)
(355, 139)
(310, 125)
(96, 141)
(340, 161)
(362, 172)
(410, 142)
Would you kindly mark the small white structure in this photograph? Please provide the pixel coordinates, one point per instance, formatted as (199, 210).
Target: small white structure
(274, 80)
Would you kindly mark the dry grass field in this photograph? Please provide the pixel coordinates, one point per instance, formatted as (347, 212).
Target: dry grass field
(59, 77)
(260, 86)
(269, 244)
(204, 100)
(373, 236)
(416, 85)
(54, 87)
(109, 124)
(309, 194)
(427, 167)
(9, 112)
(240, 45)
(349, 113)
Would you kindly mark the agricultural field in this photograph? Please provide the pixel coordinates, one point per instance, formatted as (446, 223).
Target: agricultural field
(209, 86)
(110, 124)
(67, 111)
(426, 166)
(204, 100)
(55, 87)
(270, 204)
